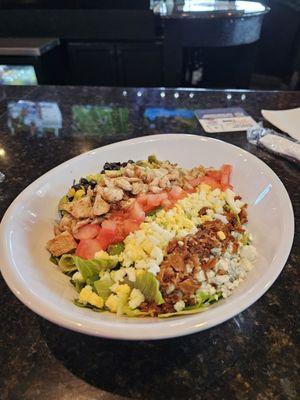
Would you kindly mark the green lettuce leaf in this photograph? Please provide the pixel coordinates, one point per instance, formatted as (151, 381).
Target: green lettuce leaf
(66, 263)
(102, 286)
(154, 212)
(78, 285)
(149, 286)
(116, 249)
(79, 304)
(184, 312)
(87, 268)
(245, 239)
(134, 313)
(204, 300)
(54, 260)
(92, 279)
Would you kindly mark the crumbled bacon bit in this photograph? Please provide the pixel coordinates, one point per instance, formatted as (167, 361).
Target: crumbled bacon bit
(195, 251)
(172, 245)
(221, 272)
(210, 264)
(203, 211)
(188, 286)
(235, 247)
(243, 215)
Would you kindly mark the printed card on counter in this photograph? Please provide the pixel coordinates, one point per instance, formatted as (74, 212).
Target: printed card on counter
(216, 120)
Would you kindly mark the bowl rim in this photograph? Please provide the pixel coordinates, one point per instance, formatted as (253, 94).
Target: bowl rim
(116, 329)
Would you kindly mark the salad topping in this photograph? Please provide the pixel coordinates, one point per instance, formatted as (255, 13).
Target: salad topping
(151, 238)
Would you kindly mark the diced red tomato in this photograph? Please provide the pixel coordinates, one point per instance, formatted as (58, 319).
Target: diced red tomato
(120, 234)
(166, 203)
(226, 170)
(136, 212)
(89, 231)
(87, 248)
(109, 226)
(153, 200)
(207, 180)
(142, 199)
(163, 196)
(215, 174)
(219, 178)
(130, 226)
(196, 181)
(176, 193)
(106, 237)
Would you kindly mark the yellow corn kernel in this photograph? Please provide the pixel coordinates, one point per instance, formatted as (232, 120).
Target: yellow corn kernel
(96, 300)
(112, 303)
(221, 235)
(71, 192)
(79, 193)
(122, 289)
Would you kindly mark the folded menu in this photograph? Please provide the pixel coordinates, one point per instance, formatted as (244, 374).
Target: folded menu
(232, 119)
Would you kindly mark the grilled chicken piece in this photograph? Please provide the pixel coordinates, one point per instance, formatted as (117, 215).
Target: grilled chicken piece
(112, 195)
(100, 206)
(80, 208)
(123, 183)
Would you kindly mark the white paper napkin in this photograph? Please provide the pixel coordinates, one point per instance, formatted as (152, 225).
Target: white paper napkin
(282, 146)
(287, 121)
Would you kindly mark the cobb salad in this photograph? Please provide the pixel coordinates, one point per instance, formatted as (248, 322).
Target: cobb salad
(150, 238)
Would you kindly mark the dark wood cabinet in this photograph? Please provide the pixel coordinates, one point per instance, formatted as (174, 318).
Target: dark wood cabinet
(140, 64)
(92, 64)
(124, 64)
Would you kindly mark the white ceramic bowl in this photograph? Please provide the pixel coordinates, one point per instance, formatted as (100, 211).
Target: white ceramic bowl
(28, 224)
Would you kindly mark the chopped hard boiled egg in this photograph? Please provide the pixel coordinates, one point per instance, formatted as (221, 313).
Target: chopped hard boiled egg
(179, 306)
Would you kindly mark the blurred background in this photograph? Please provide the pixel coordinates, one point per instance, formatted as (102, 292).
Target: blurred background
(183, 43)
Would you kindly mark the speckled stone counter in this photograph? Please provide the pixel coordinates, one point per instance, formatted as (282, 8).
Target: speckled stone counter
(252, 356)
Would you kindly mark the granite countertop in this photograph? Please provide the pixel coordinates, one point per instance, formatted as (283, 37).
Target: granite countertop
(252, 356)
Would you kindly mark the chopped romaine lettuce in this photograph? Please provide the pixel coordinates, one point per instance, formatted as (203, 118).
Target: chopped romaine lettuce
(134, 313)
(184, 312)
(53, 259)
(62, 201)
(79, 304)
(154, 212)
(78, 285)
(66, 263)
(116, 249)
(204, 300)
(245, 239)
(152, 159)
(103, 285)
(87, 268)
(92, 279)
(149, 286)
